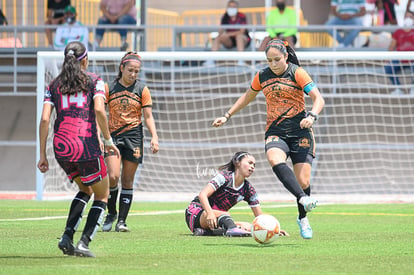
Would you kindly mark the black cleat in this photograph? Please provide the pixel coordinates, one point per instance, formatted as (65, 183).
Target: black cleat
(121, 227)
(66, 245)
(109, 220)
(82, 250)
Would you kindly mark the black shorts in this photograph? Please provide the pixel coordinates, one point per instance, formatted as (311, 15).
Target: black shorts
(299, 147)
(130, 148)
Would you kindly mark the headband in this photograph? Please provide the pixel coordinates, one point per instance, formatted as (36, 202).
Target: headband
(131, 57)
(241, 155)
(83, 55)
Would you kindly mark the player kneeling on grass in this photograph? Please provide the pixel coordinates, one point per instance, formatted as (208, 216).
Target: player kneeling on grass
(207, 213)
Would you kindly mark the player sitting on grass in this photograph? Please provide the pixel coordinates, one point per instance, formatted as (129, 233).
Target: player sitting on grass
(208, 214)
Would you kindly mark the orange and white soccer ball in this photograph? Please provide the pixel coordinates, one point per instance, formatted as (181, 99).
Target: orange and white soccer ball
(265, 229)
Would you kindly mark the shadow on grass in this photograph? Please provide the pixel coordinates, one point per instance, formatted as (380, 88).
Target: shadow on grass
(34, 257)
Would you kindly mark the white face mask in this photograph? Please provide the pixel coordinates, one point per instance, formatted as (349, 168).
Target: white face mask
(232, 11)
(408, 22)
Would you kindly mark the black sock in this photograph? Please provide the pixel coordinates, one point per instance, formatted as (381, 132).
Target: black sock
(125, 201)
(301, 209)
(287, 177)
(75, 213)
(113, 196)
(94, 220)
(226, 222)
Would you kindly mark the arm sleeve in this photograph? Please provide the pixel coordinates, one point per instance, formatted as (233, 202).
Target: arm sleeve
(146, 100)
(255, 86)
(304, 80)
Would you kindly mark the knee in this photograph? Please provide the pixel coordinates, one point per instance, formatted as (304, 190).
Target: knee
(127, 183)
(113, 180)
(303, 181)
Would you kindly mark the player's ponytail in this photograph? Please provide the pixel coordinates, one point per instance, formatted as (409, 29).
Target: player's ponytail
(73, 78)
(284, 48)
(231, 165)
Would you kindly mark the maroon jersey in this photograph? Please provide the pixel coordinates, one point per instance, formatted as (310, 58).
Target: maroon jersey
(75, 133)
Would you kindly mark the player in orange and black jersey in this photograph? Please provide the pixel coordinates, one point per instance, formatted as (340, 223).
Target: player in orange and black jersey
(127, 101)
(288, 129)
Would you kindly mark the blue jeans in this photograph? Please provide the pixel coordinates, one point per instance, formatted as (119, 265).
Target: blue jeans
(349, 36)
(123, 20)
(394, 68)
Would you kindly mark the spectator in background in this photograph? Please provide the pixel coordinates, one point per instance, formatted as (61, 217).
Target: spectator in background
(3, 19)
(71, 30)
(388, 8)
(402, 40)
(230, 38)
(409, 11)
(120, 12)
(282, 16)
(346, 13)
(55, 16)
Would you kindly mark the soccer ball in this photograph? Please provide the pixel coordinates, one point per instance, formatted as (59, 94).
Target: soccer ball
(265, 229)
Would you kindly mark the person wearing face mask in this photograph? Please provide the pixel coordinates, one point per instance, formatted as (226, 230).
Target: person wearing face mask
(402, 40)
(71, 30)
(230, 38)
(282, 16)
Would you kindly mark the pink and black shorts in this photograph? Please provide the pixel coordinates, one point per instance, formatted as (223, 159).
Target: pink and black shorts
(90, 171)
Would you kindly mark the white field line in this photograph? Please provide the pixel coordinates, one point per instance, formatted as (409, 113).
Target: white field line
(145, 213)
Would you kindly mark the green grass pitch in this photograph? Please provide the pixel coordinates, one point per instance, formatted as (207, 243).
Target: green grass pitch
(348, 239)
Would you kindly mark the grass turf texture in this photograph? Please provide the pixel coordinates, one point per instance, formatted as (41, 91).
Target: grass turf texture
(348, 239)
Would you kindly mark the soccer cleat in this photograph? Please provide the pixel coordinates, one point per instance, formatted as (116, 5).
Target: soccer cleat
(305, 228)
(121, 227)
(237, 232)
(200, 232)
(82, 250)
(109, 220)
(308, 203)
(66, 245)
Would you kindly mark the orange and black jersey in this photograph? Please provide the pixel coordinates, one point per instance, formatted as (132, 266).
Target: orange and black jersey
(125, 107)
(285, 101)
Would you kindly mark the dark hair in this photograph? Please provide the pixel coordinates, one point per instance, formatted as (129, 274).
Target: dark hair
(231, 165)
(72, 78)
(128, 57)
(284, 48)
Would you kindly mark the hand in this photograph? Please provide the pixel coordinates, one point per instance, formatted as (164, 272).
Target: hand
(112, 150)
(219, 121)
(154, 145)
(307, 122)
(283, 233)
(212, 221)
(43, 165)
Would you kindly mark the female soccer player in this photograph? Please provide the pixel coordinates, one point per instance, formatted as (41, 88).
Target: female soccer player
(79, 100)
(127, 99)
(288, 129)
(208, 214)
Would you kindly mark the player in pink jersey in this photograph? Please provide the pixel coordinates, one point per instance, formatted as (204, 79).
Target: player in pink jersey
(78, 97)
(208, 214)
